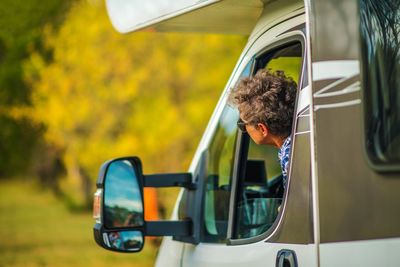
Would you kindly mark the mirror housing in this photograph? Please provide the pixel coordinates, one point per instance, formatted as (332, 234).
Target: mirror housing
(118, 206)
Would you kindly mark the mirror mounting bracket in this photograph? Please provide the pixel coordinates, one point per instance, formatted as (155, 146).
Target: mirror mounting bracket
(169, 228)
(169, 180)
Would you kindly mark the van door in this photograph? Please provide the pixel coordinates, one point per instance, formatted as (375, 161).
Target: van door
(254, 221)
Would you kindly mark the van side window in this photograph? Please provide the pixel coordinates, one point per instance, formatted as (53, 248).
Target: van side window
(219, 177)
(220, 160)
(380, 46)
(260, 190)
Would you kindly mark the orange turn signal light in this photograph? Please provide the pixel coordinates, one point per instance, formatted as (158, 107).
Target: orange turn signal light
(97, 205)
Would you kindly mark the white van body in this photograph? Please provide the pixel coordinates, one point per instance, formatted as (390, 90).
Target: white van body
(342, 205)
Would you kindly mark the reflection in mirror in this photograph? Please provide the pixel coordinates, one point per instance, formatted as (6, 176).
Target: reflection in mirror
(123, 205)
(124, 240)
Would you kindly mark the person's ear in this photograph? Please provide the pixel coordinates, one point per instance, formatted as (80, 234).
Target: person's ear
(263, 129)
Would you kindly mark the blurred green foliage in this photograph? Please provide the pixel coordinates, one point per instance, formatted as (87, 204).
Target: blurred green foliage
(74, 93)
(20, 32)
(106, 95)
(38, 230)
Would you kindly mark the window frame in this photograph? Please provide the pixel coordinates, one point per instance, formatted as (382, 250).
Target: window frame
(297, 36)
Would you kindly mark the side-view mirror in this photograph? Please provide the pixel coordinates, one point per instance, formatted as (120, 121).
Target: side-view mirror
(119, 208)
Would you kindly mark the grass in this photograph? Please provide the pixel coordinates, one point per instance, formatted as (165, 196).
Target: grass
(38, 230)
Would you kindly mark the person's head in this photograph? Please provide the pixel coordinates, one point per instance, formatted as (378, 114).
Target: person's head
(266, 105)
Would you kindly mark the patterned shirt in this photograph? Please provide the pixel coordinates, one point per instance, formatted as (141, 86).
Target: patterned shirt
(284, 158)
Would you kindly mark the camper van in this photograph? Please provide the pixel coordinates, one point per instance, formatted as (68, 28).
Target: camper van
(341, 204)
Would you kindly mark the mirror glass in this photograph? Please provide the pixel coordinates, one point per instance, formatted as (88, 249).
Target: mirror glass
(123, 204)
(124, 240)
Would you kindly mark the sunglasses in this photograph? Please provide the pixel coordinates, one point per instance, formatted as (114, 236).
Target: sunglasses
(242, 125)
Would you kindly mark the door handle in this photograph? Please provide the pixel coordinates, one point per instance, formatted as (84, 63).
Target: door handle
(286, 258)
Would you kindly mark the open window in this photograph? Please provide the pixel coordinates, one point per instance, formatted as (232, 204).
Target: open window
(260, 190)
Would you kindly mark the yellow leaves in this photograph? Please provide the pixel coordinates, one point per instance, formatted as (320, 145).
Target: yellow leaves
(106, 95)
(291, 65)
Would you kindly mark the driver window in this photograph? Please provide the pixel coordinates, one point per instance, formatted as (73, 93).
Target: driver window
(219, 176)
(220, 160)
(260, 190)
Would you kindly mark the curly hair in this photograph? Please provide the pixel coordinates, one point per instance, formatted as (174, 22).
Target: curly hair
(269, 98)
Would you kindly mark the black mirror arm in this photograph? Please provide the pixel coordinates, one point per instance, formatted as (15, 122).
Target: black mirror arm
(169, 228)
(169, 180)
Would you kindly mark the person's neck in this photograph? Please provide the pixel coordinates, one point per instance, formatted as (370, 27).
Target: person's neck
(277, 141)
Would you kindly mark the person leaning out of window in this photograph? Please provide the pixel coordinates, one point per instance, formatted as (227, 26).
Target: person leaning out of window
(266, 106)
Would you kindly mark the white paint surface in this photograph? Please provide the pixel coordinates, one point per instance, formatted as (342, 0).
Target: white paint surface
(368, 253)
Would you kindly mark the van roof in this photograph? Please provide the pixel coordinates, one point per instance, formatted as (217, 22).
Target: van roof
(211, 16)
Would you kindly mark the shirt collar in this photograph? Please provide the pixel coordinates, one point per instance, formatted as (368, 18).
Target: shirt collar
(285, 144)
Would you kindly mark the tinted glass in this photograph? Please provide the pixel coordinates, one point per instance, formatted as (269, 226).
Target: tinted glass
(258, 205)
(219, 176)
(221, 155)
(380, 43)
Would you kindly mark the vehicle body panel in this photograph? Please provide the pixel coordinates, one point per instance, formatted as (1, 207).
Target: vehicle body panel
(257, 254)
(378, 252)
(364, 197)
